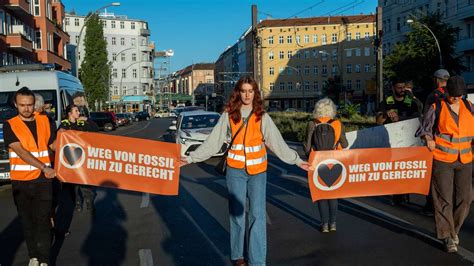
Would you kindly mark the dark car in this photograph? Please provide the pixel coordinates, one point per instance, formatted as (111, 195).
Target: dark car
(122, 119)
(143, 115)
(104, 120)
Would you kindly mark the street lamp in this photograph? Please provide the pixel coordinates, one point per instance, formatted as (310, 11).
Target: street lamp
(410, 21)
(82, 28)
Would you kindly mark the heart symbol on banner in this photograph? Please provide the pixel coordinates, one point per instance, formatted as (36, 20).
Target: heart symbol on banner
(329, 176)
(72, 154)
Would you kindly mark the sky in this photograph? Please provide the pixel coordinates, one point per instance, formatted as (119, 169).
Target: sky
(199, 31)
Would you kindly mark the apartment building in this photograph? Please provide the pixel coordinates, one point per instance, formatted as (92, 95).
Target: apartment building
(32, 31)
(459, 13)
(131, 54)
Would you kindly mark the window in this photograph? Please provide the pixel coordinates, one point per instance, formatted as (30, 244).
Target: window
(282, 85)
(122, 41)
(367, 35)
(36, 8)
(104, 23)
(306, 70)
(272, 85)
(357, 35)
(316, 85)
(306, 39)
(66, 21)
(112, 24)
(134, 57)
(324, 55)
(280, 39)
(357, 51)
(270, 55)
(77, 39)
(357, 68)
(122, 25)
(134, 73)
(38, 39)
(334, 55)
(290, 85)
(76, 22)
(306, 54)
(315, 53)
(306, 85)
(114, 74)
(124, 90)
(358, 84)
(324, 69)
(290, 54)
(324, 39)
(298, 69)
(114, 41)
(124, 73)
(367, 51)
(115, 90)
(289, 71)
(281, 70)
(349, 84)
(298, 39)
(315, 69)
(334, 69)
(367, 68)
(315, 38)
(122, 57)
(132, 25)
(271, 71)
(348, 36)
(289, 39)
(282, 54)
(270, 40)
(334, 38)
(298, 54)
(349, 68)
(114, 57)
(134, 42)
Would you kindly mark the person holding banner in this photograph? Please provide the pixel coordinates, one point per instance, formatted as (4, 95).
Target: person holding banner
(74, 121)
(246, 173)
(453, 124)
(28, 137)
(325, 132)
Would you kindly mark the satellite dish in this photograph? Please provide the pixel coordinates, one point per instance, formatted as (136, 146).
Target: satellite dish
(169, 52)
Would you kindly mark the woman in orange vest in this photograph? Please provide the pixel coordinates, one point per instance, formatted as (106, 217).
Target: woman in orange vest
(325, 132)
(246, 165)
(448, 129)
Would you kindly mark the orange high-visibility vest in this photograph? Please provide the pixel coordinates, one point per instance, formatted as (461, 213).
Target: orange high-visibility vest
(454, 140)
(336, 124)
(248, 149)
(19, 169)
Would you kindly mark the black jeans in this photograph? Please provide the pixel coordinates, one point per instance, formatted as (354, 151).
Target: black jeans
(34, 202)
(327, 210)
(83, 193)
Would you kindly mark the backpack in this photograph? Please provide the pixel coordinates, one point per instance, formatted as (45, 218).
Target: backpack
(438, 107)
(324, 136)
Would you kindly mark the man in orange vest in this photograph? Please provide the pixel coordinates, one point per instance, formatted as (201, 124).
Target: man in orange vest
(28, 137)
(452, 122)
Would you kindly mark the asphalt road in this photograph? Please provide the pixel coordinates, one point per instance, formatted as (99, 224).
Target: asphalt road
(131, 228)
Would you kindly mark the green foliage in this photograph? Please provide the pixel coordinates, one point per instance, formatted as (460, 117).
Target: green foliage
(417, 58)
(292, 126)
(350, 110)
(95, 68)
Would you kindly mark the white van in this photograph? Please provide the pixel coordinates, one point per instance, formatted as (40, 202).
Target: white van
(57, 88)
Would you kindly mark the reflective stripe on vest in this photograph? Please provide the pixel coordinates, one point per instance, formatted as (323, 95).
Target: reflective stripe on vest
(454, 140)
(248, 149)
(19, 169)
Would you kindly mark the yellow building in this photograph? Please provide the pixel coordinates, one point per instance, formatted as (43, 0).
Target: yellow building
(298, 56)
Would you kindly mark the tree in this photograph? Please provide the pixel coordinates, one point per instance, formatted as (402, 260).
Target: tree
(417, 58)
(332, 88)
(95, 69)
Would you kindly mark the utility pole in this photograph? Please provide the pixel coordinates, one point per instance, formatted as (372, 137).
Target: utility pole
(254, 42)
(378, 46)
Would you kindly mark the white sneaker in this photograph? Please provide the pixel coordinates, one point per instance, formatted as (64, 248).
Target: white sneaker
(33, 262)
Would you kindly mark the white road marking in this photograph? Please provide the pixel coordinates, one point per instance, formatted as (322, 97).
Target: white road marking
(146, 258)
(138, 130)
(145, 200)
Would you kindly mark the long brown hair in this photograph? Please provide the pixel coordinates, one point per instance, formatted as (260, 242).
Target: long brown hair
(235, 102)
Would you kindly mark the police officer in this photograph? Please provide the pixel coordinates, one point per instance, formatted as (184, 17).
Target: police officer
(75, 122)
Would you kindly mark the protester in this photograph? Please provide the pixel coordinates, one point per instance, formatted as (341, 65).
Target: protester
(320, 137)
(401, 105)
(28, 136)
(453, 123)
(246, 166)
(83, 194)
(440, 78)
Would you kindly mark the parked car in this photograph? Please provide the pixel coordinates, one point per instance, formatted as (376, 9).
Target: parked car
(192, 128)
(143, 115)
(162, 113)
(104, 120)
(122, 119)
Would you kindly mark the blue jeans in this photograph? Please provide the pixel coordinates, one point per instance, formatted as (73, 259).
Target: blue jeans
(240, 185)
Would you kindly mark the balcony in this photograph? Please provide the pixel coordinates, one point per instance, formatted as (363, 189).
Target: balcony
(18, 41)
(465, 45)
(144, 32)
(19, 7)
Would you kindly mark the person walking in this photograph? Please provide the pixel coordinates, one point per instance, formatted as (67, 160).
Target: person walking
(74, 121)
(453, 123)
(28, 137)
(325, 132)
(246, 166)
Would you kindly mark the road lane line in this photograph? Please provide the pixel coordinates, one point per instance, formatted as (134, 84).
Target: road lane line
(138, 130)
(146, 258)
(145, 200)
(204, 234)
